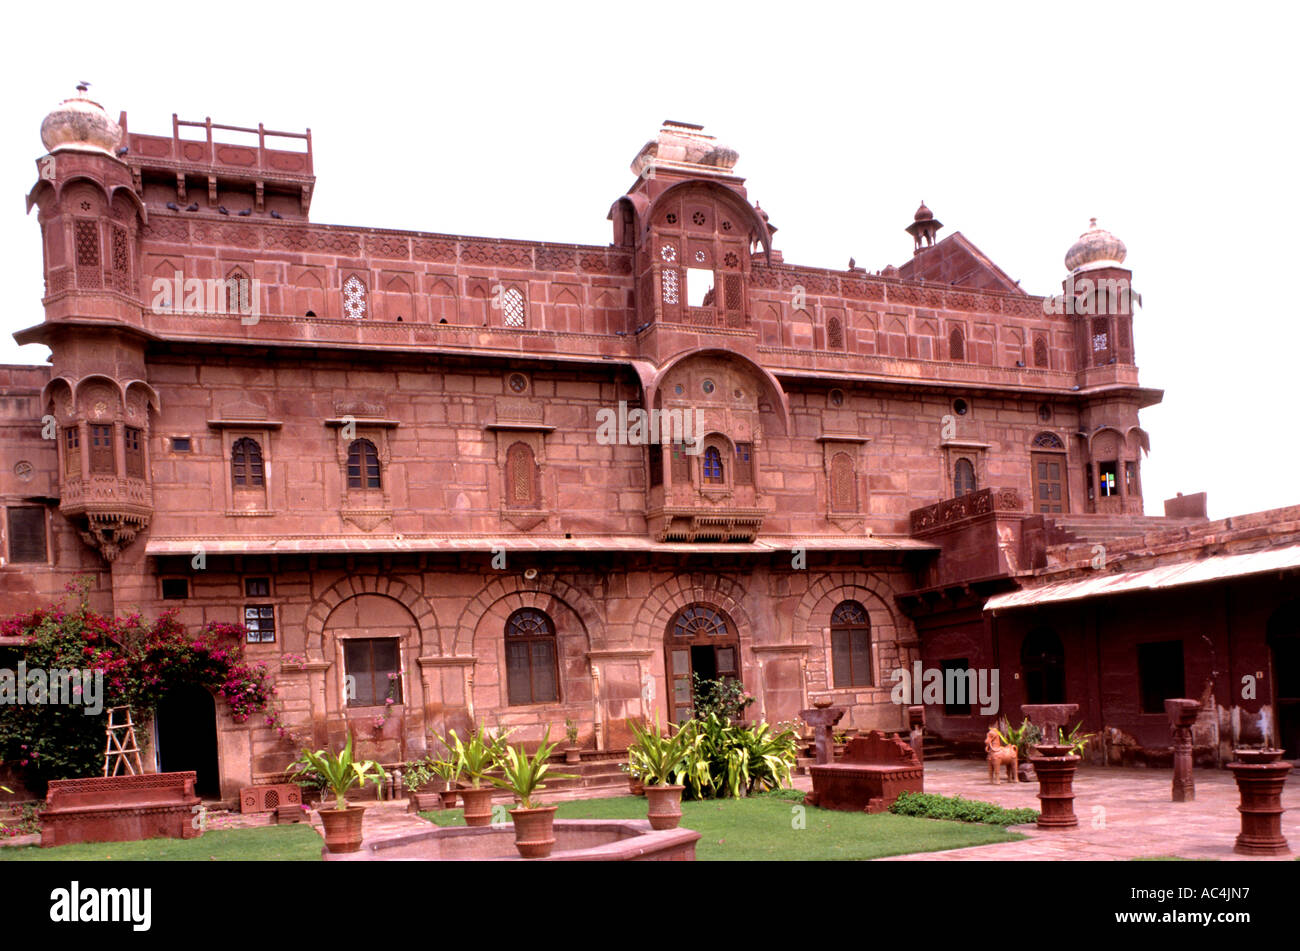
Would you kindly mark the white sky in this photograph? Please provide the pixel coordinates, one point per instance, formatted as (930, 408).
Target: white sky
(1174, 125)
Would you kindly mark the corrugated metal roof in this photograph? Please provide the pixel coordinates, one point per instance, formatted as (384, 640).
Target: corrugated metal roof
(381, 544)
(1213, 568)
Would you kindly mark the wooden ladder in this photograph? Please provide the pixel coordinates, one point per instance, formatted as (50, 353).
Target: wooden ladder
(121, 751)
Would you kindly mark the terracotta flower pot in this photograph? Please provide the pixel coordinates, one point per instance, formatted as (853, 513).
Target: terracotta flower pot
(478, 805)
(424, 801)
(342, 828)
(534, 831)
(665, 810)
(635, 786)
(572, 754)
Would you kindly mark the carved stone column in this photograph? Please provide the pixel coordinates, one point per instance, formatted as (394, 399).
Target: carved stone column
(1182, 714)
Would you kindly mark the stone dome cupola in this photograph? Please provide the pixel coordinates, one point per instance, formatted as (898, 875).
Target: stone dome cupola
(924, 228)
(80, 124)
(1095, 248)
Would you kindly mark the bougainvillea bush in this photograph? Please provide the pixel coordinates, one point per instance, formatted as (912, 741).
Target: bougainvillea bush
(142, 661)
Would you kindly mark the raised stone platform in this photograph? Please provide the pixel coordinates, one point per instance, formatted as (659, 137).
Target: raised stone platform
(120, 809)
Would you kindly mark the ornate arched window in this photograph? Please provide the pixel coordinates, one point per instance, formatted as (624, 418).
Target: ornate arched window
(354, 297)
(834, 334)
(850, 645)
(963, 478)
(711, 467)
(521, 475)
(699, 620)
(363, 465)
(1040, 352)
(1042, 664)
(512, 308)
(957, 345)
(1046, 440)
(531, 672)
(843, 494)
(246, 470)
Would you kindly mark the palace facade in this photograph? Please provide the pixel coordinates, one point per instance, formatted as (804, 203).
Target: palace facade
(381, 451)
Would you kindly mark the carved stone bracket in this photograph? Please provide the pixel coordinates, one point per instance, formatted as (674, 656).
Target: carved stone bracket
(111, 533)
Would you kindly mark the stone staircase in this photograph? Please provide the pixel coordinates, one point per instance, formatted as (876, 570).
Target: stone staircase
(934, 749)
(1096, 527)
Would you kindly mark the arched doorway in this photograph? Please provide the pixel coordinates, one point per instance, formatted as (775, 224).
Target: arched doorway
(700, 640)
(1284, 640)
(1042, 665)
(186, 727)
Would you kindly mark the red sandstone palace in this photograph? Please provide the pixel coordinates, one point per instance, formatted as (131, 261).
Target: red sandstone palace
(379, 450)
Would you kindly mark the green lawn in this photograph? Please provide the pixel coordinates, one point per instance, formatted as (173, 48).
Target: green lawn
(756, 829)
(763, 828)
(288, 843)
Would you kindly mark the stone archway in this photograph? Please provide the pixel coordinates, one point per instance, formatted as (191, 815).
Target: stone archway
(371, 644)
(812, 625)
(354, 585)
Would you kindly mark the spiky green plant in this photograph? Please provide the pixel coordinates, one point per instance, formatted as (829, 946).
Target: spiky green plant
(339, 772)
(523, 774)
(658, 753)
(479, 755)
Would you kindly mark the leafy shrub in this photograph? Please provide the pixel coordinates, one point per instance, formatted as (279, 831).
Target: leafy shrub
(726, 761)
(725, 697)
(957, 809)
(141, 663)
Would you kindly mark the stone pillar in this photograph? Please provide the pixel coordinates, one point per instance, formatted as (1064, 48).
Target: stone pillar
(1182, 714)
(822, 719)
(916, 726)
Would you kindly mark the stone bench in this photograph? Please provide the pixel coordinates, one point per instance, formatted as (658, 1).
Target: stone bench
(874, 770)
(120, 809)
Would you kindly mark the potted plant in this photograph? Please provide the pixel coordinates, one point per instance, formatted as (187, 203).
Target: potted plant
(475, 759)
(572, 753)
(522, 775)
(417, 776)
(339, 772)
(659, 756)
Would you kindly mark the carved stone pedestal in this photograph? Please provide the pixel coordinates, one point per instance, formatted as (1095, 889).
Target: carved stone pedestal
(822, 719)
(1260, 778)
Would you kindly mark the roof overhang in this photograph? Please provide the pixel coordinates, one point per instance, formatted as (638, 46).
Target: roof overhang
(394, 544)
(1205, 570)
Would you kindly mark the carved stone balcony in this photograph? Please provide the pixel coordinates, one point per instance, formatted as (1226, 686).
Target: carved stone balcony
(108, 510)
(705, 524)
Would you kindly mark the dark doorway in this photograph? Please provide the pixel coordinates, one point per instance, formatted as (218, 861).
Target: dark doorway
(704, 662)
(1284, 639)
(1042, 664)
(187, 737)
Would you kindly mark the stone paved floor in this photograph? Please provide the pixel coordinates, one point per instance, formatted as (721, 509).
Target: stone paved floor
(1124, 813)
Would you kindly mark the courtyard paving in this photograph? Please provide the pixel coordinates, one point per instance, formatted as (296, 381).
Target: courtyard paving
(1124, 813)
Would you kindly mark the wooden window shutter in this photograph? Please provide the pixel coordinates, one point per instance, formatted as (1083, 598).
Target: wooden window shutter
(26, 527)
(744, 471)
(101, 449)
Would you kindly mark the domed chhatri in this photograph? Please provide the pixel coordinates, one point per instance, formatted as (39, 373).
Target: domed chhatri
(924, 227)
(1095, 248)
(80, 124)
